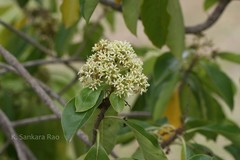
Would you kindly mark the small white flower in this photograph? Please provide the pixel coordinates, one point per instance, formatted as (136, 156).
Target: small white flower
(116, 65)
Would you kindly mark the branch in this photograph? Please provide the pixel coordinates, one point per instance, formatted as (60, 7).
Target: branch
(69, 85)
(22, 150)
(28, 39)
(29, 79)
(214, 16)
(34, 84)
(103, 108)
(34, 120)
(166, 143)
(40, 62)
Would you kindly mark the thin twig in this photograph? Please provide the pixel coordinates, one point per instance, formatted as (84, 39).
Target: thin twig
(41, 62)
(22, 150)
(214, 16)
(28, 39)
(34, 120)
(33, 83)
(166, 143)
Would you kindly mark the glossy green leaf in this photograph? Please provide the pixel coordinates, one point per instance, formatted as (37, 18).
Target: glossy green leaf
(86, 99)
(222, 83)
(87, 8)
(131, 15)
(230, 57)
(70, 10)
(96, 152)
(155, 19)
(209, 3)
(148, 143)
(117, 102)
(164, 96)
(71, 121)
(176, 30)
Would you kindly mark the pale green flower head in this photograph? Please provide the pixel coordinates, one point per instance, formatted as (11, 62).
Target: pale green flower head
(116, 65)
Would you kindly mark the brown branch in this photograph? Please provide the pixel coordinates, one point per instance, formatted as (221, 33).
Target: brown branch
(166, 143)
(22, 150)
(34, 84)
(214, 16)
(29, 79)
(28, 39)
(103, 108)
(34, 120)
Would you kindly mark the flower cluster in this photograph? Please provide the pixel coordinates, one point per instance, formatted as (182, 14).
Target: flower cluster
(116, 65)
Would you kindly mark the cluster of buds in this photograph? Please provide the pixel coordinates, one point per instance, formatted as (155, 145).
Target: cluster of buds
(116, 65)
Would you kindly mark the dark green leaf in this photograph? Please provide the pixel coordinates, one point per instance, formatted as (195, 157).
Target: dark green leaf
(131, 15)
(96, 152)
(117, 102)
(71, 121)
(87, 8)
(209, 3)
(148, 143)
(110, 19)
(165, 65)
(86, 99)
(63, 38)
(230, 57)
(108, 130)
(234, 150)
(222, 83)
(164, 96)
(176, 31)
(155, 19)
(22, 3)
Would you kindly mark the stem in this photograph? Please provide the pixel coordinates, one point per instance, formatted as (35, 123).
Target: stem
(103, 109)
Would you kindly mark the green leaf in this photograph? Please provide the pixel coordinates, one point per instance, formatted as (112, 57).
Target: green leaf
(117, 102)
(184, 150)
(96, 152)
(230, 57)
(176, 31)
(164, 96)
(87, 8)
(131, 15)
(71, 121)
(234, 150)
(208, 4)
(222, 83)
(155, 19)
(147, 142)
(22, 3)
(110, 18)
(70, 10)
(86, 99)
(108, 130)
(165, 65)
